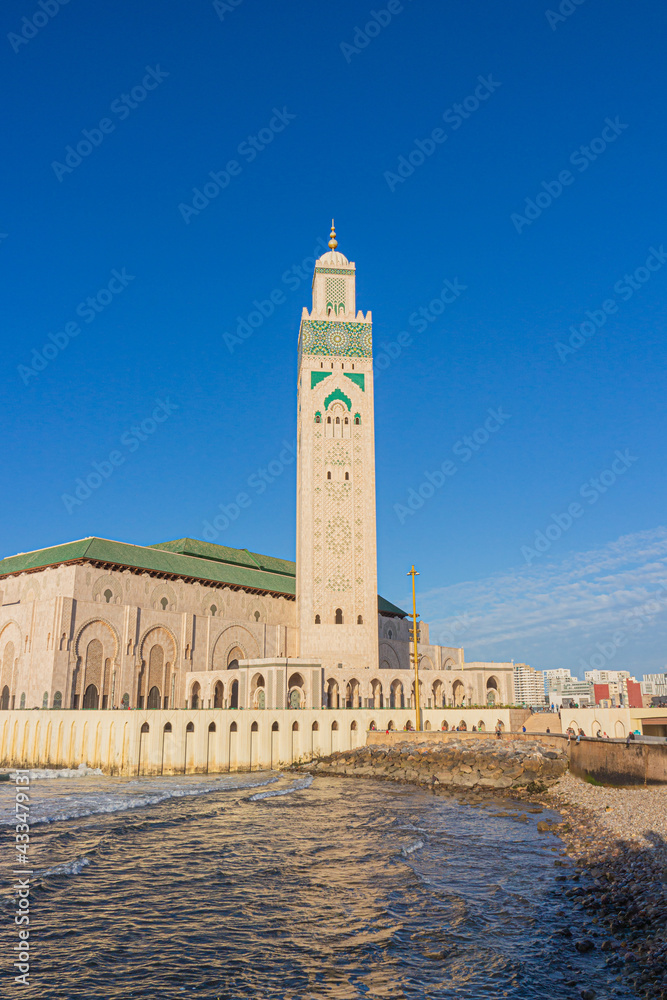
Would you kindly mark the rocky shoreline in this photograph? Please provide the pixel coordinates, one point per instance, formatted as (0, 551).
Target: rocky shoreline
(615, 838)
(457, 764)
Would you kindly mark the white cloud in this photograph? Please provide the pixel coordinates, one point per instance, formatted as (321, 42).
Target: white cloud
(554, 614)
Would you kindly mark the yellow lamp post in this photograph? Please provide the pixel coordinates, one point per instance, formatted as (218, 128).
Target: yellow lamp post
(413, 573)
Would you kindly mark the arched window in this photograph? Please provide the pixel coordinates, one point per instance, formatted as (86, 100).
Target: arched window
(164, 601)
(213, 610)
(107, 595)
(125, 701)
(317, 620)
(195, 695)
(328, 420)
(328, 475)
(145, 728)
(167, 727)
(58, 699)
(315, 727)
(347, 476)
(318, 418)
(357, 418)
(153, 697)
(211, 727)
(346, 420)
(337, 420)
(339, 616)
(256, 616)
(190, 728)
(295, 727)
(254, 728)
(233, 728)
(275, 727)
(233, 658)
(45, 700)
(360, 620)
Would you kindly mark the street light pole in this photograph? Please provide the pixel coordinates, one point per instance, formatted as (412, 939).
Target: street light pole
(413, 573)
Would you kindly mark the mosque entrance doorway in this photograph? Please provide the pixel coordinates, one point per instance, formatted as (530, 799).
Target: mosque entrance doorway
(91, 698)
(4, 700)
(153, 698)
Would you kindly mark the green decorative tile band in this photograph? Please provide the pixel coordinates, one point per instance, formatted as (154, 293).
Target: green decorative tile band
(334, 270)
(316, 377)
(354, 340)
(358, 378)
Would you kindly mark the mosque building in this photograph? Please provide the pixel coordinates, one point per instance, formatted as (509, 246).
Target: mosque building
(99, 624)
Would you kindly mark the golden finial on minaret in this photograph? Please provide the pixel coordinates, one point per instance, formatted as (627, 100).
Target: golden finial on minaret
(333, 242)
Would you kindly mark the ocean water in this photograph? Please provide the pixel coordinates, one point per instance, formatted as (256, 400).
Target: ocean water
(279, 886)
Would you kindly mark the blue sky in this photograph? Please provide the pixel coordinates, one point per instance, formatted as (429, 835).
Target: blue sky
(531, 147)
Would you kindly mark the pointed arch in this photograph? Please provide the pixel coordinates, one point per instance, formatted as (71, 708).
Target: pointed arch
(234, 636)
(337, 394)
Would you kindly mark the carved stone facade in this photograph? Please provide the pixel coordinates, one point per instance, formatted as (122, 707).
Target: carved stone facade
(101, 625)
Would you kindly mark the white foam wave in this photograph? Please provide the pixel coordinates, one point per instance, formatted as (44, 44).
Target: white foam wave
(82, 771)
(405, 851)
(72, 868)
(294, 787)
(110, 799)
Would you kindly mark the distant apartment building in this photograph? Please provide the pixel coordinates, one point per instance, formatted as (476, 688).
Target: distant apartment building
(528, 685)
(561, 674)
(654, 686)
(613, 688)
(564, 690)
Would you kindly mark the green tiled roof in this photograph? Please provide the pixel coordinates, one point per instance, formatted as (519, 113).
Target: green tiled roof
(242, 569)
(187, 557)
(223, 554)
(387, 608)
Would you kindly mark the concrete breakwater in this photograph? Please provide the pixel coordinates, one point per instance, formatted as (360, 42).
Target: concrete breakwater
(458, 764)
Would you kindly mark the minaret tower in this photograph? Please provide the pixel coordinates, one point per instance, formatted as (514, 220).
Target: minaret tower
(336, 558)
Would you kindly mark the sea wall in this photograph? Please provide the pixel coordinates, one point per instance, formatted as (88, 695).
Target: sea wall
(178, 741)
(619, 763)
